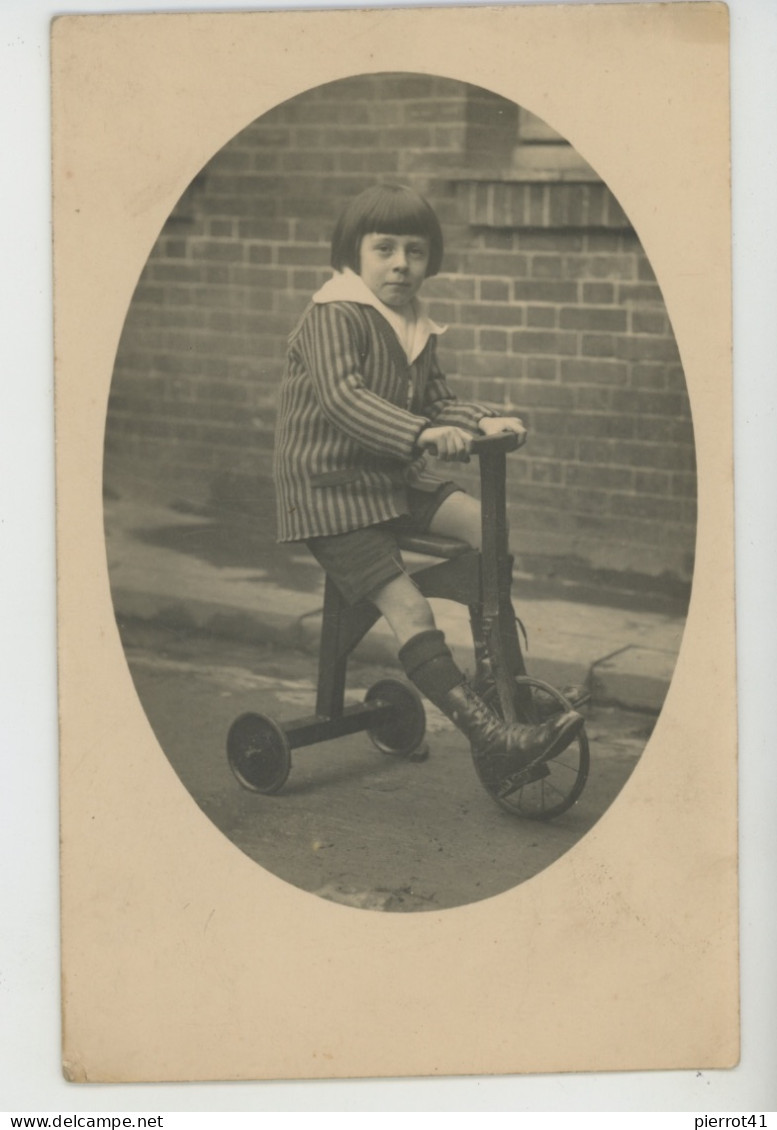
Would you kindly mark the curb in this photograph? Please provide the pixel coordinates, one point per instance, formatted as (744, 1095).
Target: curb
(631, 678)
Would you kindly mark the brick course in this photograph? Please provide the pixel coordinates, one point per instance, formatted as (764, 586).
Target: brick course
(554, 313)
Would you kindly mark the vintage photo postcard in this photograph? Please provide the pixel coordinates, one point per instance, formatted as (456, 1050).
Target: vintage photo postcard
(395, 542)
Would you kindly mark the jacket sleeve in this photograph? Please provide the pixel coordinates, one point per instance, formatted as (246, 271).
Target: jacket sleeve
(442, 407)
(329, 346)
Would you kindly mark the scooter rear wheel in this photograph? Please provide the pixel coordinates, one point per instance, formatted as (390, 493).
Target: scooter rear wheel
(402, 734)
(258, 753)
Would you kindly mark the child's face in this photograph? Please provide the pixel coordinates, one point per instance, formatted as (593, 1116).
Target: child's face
(394, 266)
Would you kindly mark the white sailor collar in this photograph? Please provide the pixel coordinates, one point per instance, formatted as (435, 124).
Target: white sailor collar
(347, 286)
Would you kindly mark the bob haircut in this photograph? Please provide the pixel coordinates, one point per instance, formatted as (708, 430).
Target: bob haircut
(391, 209)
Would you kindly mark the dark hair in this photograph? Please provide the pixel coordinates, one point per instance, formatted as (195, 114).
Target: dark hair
(390, 209)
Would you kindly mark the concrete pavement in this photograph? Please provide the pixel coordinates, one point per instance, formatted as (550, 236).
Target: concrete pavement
(228, 577)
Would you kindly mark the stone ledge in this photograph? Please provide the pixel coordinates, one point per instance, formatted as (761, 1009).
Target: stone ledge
(540, 204)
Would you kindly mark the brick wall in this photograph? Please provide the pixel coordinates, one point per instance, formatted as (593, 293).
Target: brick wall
(553, 308)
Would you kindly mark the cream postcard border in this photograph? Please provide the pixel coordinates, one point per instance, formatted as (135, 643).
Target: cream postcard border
(183, 959)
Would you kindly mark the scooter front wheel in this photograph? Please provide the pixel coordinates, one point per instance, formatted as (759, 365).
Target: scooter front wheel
(551, 787)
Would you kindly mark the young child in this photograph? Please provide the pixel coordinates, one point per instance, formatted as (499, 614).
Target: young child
(362, 402)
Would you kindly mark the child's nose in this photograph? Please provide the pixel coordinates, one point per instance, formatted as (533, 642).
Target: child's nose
(400, 261)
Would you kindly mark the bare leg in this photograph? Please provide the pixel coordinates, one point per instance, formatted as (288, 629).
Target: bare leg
(407, 610)
(458, 517)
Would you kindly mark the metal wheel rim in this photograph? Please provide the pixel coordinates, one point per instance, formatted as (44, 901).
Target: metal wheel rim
(258, 753)
(560, 788)
(402, 740)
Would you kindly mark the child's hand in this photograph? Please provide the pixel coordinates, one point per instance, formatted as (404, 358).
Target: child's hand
(448, 443)
(493, 425)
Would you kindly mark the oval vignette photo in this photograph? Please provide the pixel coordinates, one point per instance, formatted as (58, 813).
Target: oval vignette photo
(400, 493)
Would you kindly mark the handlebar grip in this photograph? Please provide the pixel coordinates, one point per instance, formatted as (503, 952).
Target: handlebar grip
(486, 445)
(502, 441)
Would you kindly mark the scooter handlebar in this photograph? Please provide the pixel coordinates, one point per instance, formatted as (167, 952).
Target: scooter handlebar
(491, 445)
(487, 445)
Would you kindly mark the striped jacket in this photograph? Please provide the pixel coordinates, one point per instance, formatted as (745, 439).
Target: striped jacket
(351, 409)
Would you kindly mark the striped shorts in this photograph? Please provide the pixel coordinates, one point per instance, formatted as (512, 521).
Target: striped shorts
(362, 561)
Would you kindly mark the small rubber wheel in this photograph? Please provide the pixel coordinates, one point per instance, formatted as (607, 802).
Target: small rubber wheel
(551, 787)
(403, 732)
(258, 753)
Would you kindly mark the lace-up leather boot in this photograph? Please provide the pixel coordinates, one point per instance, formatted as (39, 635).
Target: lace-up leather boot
(500, 749)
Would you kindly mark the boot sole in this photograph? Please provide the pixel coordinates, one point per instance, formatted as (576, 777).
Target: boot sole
(538, 768)
(563, 739)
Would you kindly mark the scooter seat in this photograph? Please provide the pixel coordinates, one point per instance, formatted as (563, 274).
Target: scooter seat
(432, 545)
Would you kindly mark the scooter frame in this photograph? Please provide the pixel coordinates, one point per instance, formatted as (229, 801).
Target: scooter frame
(392, 713)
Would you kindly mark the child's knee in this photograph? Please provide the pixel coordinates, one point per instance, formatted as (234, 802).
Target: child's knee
(459, 517)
